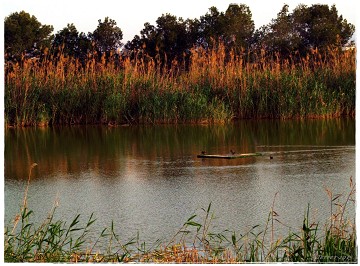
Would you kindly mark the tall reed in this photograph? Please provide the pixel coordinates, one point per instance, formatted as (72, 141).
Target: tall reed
(215, 87)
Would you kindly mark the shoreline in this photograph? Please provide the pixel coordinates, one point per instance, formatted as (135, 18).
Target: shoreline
(203, 122)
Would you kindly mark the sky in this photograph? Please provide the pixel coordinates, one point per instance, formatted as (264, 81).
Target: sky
(130, 16)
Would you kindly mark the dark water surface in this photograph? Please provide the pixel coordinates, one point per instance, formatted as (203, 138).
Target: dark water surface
(147, 179)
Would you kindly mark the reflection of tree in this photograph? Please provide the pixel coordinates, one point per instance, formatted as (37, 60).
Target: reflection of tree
(106, 151)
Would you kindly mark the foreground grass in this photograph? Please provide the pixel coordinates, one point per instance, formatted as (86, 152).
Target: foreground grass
(215, 87)
(58, 241)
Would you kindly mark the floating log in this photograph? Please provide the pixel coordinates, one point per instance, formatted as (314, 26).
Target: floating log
(229, 156)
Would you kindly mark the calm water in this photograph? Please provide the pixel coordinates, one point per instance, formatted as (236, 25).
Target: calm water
(147, 179)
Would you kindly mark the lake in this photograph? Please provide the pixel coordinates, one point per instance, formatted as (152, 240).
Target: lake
(148, 179)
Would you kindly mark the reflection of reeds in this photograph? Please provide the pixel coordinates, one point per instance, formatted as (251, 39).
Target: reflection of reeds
(218, 86)
(66, 149)
(56, 241)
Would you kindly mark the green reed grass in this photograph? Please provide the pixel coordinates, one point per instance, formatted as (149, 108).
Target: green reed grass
(195, 242)
(217, 87)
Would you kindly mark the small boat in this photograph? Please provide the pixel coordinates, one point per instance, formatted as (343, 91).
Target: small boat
(229, 156)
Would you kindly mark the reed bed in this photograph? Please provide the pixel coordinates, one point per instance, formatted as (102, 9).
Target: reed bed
(59, 241)
(215, 86)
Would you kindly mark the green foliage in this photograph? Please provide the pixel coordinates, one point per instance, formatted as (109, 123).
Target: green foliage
(68, 38)
(239, 26)
(233, 27)
(70, 42)
(316, 26)
(172, 37)
(169, 39)
(279, 34)
(321, 26)
(24, 32)
(107, 36)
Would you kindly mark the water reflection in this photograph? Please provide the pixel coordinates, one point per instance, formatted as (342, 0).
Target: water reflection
(73, 149)
(148, 178)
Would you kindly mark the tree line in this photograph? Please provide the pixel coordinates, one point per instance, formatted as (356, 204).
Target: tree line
(172, 38)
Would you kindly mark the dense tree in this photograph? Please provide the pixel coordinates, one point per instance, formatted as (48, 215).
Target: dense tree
(211, 27)
(107, 36)
(279, 35)
(171, 35)
(239, 25)
(175, 37)
(321, 26)
(84, 45)
(193, 32)
(317, 26)
(234, 28)
(72, 43)
(149, 39)
(24, 33)
(169, 39)
(67, 40)
(172, 38)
